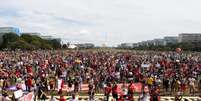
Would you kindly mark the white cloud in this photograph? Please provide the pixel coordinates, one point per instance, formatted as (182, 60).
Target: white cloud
(84, 31)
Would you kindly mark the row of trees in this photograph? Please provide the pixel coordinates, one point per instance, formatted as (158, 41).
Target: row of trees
(28, 42)
(172, 47)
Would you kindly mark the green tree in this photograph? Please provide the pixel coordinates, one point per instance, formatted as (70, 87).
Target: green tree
(45, 46)
(55, 44)
(8, 38)
(36, 44)
(19, 44)
(29, 42)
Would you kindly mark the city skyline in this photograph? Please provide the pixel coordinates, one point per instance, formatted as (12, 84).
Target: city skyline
(103, 21)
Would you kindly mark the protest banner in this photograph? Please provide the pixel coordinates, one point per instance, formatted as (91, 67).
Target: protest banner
(84, 87)
(18, 94)
(137, 87)
(27, 97)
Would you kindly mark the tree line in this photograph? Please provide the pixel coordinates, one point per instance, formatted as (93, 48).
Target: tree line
(29, 42)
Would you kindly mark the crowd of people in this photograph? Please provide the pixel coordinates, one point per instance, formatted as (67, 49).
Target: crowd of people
(165, 73)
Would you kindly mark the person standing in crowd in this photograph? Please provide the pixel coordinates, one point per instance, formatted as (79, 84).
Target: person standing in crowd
(91, 92)
(108, 90)
(192, 85)
(41, 91)
(180, 70)
(131, 89)
(29, 84)
(52, 83)
(124, 90)
(150, 81)
(166, 84)
(5, 84)
(76, 86)
(155, 96)
(178, 85)
(183, 86)
(61, 87)
(115, 91)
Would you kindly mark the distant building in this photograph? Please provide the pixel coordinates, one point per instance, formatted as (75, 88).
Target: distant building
(36, 34)
(170, 40)
(158, 42)
(189, 37)
(10, 30)
(135, 45)
(5, 30)
(126, 45)
(143, 43)
(184, 37)
(85, 45)
(149, 42)
(155, 42)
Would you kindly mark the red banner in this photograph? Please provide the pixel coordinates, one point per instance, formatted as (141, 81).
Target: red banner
(84, 87)
(137, 87)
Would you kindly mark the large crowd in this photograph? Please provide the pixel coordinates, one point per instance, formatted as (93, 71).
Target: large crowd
(164, 73)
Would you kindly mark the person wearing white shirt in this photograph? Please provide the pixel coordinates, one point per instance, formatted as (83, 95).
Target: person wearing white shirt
(192, 85)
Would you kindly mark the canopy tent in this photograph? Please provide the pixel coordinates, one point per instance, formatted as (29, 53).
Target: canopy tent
(72, 46)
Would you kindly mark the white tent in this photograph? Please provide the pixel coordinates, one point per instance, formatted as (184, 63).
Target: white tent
(72, 46)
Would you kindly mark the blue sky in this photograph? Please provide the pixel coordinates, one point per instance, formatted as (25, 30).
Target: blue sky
(103, 21)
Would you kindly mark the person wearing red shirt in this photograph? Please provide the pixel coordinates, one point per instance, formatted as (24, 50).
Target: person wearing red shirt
(115, 92)
(108, 90)
(131, 91)
(29, 84)
(183, 87)
(42, 74)
(17, 73)
(29, 70)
